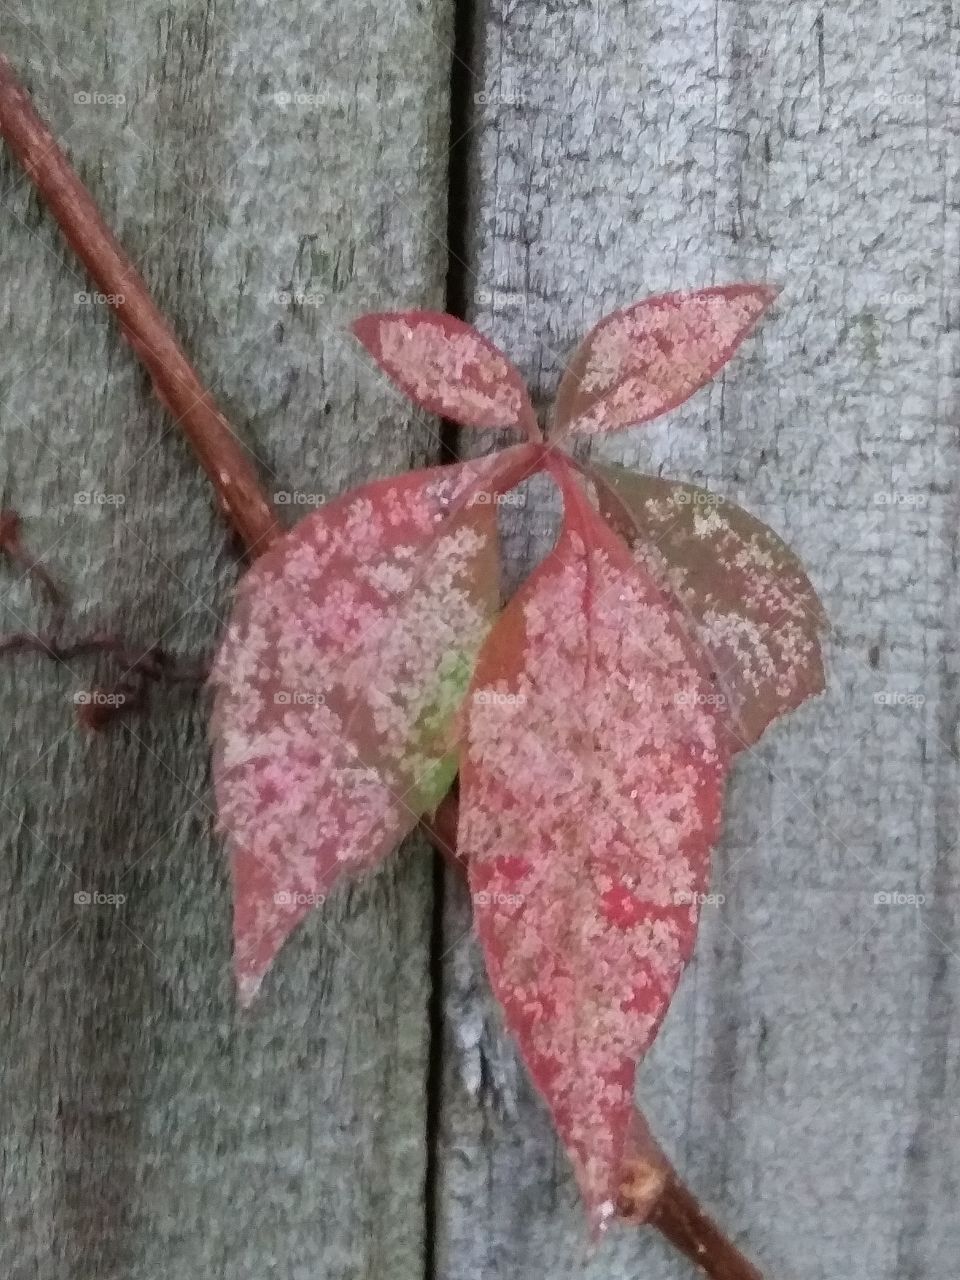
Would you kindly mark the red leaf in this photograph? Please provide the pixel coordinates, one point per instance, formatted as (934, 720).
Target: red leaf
(590, 795)
(638, 363)
(348, 652)
(448, 368)
(750, 602)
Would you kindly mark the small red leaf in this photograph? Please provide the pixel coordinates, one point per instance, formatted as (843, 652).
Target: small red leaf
(590, 796)
(751, 605)
(448, 368)
(348, 653)
(638, 363)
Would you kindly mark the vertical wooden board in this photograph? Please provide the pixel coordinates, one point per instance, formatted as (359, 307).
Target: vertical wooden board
(274, 169)
(804, 1077)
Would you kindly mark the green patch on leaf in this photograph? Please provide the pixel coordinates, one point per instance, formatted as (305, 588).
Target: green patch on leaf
(434, 724)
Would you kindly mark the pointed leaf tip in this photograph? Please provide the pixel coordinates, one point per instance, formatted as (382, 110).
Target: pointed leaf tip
(448, 368)
(248, 987)
(590, 795)
(345, 662)
(638, 363)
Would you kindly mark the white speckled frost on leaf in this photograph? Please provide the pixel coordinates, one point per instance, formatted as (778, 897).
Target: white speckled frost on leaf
(596, 742)
(590, 797)
(751, 605)
(444, 365)
(638, 363)
(347, 655)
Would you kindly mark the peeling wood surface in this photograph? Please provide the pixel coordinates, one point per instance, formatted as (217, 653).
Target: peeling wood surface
(149, 1130)
(806, 1078)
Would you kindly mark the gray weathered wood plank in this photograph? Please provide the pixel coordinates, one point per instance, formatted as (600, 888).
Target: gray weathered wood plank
(805, 1077)
(149, 1130)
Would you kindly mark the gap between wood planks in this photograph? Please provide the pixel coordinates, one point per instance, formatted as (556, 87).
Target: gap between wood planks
(463, 77)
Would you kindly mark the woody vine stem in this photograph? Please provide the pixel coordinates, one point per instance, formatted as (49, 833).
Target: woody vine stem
(652, 1192)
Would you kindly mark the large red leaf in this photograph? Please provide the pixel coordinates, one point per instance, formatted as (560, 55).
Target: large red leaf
(348, 652)
(640, 362)
(590, 797)
(751, 604)
(447, 367)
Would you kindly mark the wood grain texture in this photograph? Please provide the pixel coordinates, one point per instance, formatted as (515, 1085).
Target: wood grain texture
(149, 1130)
(806, 1078)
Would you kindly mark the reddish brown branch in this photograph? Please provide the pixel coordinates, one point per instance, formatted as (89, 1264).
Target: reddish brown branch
(653, 1192)
(679, 1217)
(153, 662)
(12, 547)
(98, 707)
(176, 382)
